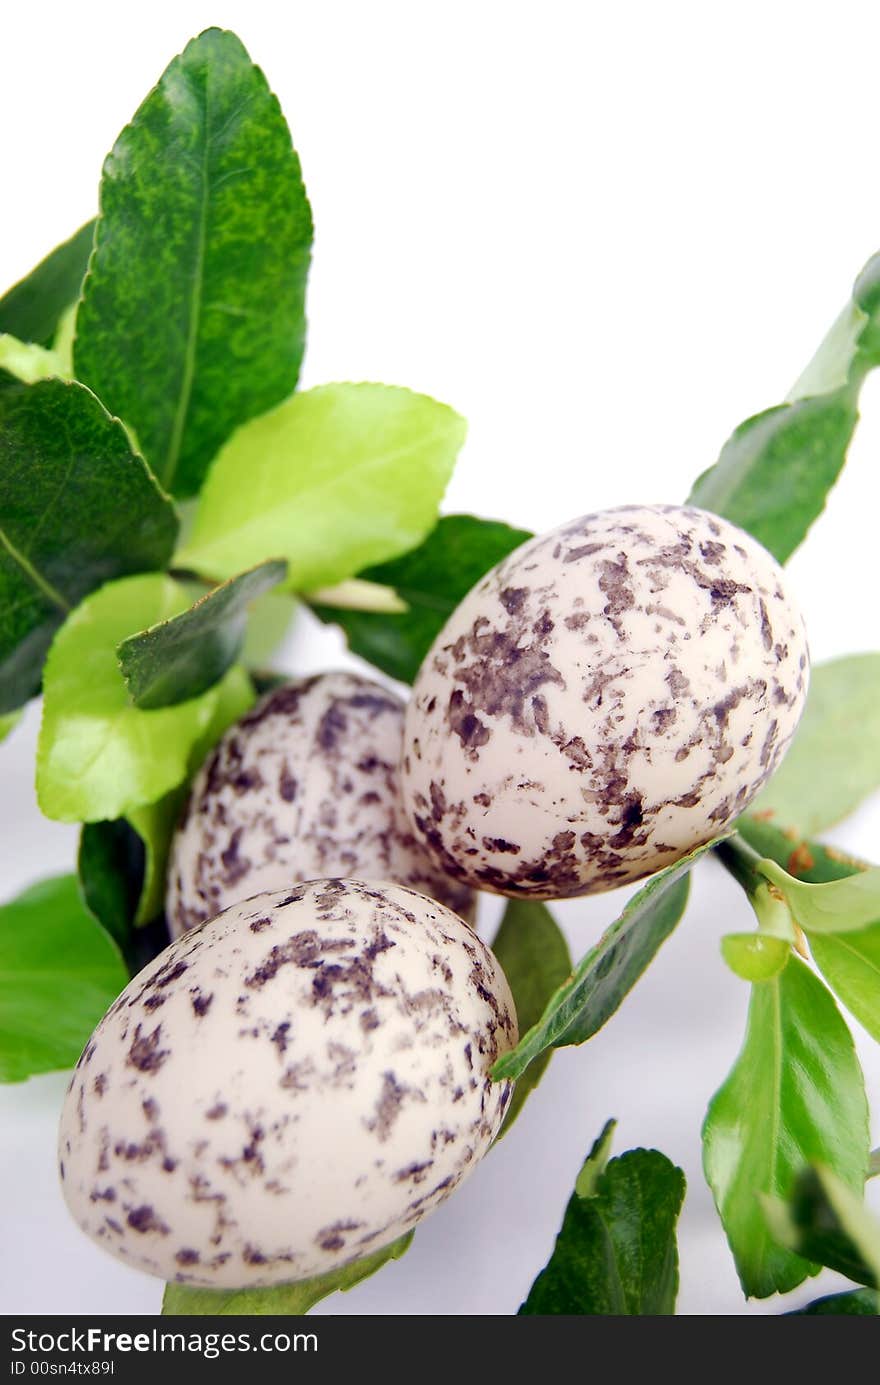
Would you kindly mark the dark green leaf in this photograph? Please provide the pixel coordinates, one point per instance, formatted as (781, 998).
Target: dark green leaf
(804, 859)
(616, 1252)
(609, 970)
(834, 762)
(861, 1302)
(776, 469)
(193, 314)
(184, 656)
(775, 472)
(535, 959)
(78, 508)
(794, 1096)
(285, 1299)
(432, 580)
(33, 308)
(58, 973)
(111, 866)
(826, 1223)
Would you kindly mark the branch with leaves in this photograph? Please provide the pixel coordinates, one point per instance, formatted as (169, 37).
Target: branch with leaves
(153, 359)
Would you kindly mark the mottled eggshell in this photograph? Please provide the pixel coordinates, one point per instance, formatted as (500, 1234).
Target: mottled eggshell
(305, 786)
(288, 1087)
(611, 695)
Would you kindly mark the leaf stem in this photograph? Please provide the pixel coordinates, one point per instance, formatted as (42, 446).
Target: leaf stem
(741, 860)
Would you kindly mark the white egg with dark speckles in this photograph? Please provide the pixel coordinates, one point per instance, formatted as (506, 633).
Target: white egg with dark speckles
(288, 1087)
(611, 695)
(306, 785)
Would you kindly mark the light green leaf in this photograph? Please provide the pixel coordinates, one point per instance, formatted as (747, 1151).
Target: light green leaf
(587, 1182)
(850, 963)
(155, 822)
(824, 1221)
(59, 971)
(33, 309)
(838, 906)
(834, 761)
(535, 959)
(794, 1096)
(616, 1253)
(184, 656)
(292, 1300)
(29, 362)
(755, 956)
(8, 723)
(193, 311)
(334, 479)
(99, 757)
(609, 970)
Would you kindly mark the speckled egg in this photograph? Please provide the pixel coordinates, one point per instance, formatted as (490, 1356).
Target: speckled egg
(306, 785)
(610, 696)
(288, 1087)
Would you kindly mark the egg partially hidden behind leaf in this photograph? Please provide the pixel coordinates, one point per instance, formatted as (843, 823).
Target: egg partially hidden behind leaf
(288, 1087)
(611, 695)
(303, 787)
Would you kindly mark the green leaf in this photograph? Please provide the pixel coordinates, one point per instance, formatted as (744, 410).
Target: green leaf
(861, 1302)
(834, 761)
(284, 1299)
(155, 822)
(609, 970)
(7, 723)
(193, 312)
(110, 864)
(77, 508)
(535, 959)
(432, 580)
(59, 971)
(755, 956)
(33, 309)
(776, 469)
(850, 963)
(794, 1096)
(824, 1221)
(837, 906)
(616, 1252)
(334, 479)
(98, 756)
(184, 656)
(805, 859)
(775, 472)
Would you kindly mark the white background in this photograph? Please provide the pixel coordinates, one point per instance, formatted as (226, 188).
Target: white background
(606, 234)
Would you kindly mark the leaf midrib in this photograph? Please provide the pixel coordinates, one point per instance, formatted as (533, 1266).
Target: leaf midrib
(39, 581)
(169, 472)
